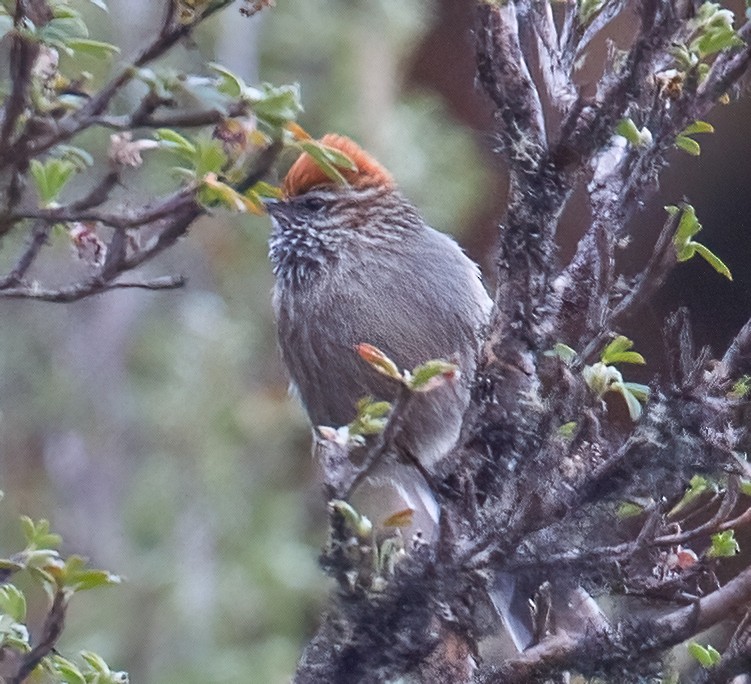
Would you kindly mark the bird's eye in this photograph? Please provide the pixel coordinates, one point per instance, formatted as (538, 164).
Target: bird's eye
(314, 204)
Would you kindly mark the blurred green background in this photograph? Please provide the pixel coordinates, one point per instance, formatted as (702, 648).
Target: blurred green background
(155, 430)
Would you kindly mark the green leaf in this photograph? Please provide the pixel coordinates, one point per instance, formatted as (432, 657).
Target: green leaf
(567, 430)
(628, 129)
(254, 203)
(632, 403)
(102, 673)
(716, 41)
(563, 352)
(641, 392)
(213, 191)
(276, 105)
(588, 9)
(746, 487)
(337, 157)
(68, 671)
(230, 84)
(13, 602)
(267, 190)
(50, 177)
(60, 31)
(706, 656)
(688, 145)
(38, 535)
(698, 127)
(697, 487)
(639, 138)
(600, 377)
(183, 174)
(431, 374)
(724, 545)
(713, 260)
(322, 159)
(28, 528)
(172, 140)
(93, 48)
(628, 509)
(371, 417)
(359, 524)
(688, 226)
(210, 157)
(740, 388)
(617, 351)
(77, 156)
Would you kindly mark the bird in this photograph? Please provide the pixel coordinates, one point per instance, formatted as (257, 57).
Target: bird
(356, 263)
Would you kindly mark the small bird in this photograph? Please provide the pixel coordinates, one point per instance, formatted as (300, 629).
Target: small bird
(356, 263)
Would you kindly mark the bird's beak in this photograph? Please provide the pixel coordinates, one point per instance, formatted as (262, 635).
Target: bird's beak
(278, 210)
(272, 205)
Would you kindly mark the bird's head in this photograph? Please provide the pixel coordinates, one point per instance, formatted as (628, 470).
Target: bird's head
(313, 200)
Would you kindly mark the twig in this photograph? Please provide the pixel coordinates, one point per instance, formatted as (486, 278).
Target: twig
(205, 117)
(386, 442)
(614, 647)
(126, 219)
(555, 71)
(51, 630)
(663, 259)
(78, 291)
(38, 236)
(168, 36)
(714, 524)
(23, 54)
(736, 358)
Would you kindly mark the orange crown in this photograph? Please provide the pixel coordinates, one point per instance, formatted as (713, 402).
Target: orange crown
(305, 174)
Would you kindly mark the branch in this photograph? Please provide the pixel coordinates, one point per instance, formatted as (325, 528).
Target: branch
(23, 54)
(205, 117)
(736, 359)
(51, 630)
(603, 651)
(555, 71)
(87, 115)
(714, 524)
(653, 276)
(128, 219)
(87, 288)
(505, 77)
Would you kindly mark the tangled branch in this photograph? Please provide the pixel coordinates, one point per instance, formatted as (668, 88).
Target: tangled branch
(550, 491)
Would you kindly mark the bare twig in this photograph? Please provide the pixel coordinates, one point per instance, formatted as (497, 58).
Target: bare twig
(38, 236)
(126, 219)
(736, 358)
(80, 290)
(189, 119)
